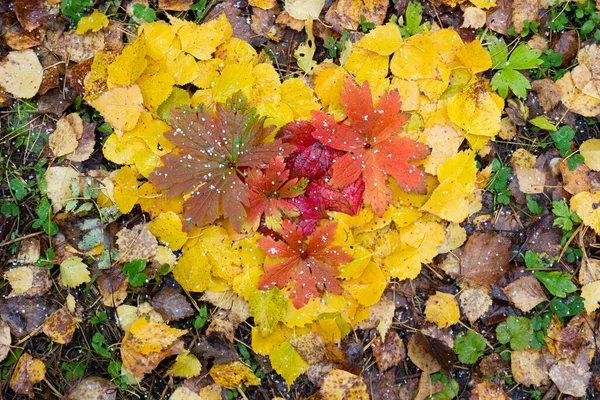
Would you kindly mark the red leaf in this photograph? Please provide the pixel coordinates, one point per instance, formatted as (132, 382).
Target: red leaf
(348, 200)
(312, 210)
(371, 150)
(311, 159)
(212, 155)
(268, 190)
(308, 264)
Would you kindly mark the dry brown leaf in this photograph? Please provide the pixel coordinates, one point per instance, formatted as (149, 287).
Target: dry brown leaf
(576, 181)
(530, 367)
(93, 388)
(346, 14)
(538, 42)
(5, 340)
(499, 20)
(60, 326)
(229, 300)
(420, 354)
(474, 303)
(525, 293)
(380, 317)
(567, 46)
(60, 181)
(65, 138)
(572, 376)
(29, 251)
(112, 285)
(138, 364)
(531, 181)
(15, 36)
(310, 346)
(24, 314)
(28, 372)
(574, 338)
(86, 144)
(484, 258)
(427, 388)
(390, 352)
(136, 243)
(488, 390)
(589, 271)
(575, 100)
(508, 129)
(21, 73)
(286, 19)
(524, 10)
(28, 280)
(175, 5)
(78, 48)
(172, 305)
(473, 18)
(342, 385)
(492, 365)
(33, 13)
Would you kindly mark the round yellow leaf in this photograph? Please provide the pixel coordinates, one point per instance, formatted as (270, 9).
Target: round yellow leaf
(126, 189)
(186, 366)
(590, 150)
(384, 39)
(442, 309)
(167, 227)
(232, 375)
(93, 22)
(591, 295)
(586, 205)
(192, 271)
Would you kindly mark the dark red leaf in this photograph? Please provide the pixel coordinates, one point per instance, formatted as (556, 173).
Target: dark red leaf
(311, 211)
(347, 200)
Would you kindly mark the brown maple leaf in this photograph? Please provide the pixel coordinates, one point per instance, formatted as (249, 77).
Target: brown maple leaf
(213, 153)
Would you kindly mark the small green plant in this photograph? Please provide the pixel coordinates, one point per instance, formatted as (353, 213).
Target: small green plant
(551, 61)
(570, 307)
(508, 77)
(540, 324)
(140, 11)
(533, 206)
(47, 260)
(249, 360)
(498, 183)
(73, 370)
(133, 271)
(411, 23)
(562, 140)
(335, 47)
(558, 283)
(528, 28)
(200, 9)
(469, 347)
(450, 390)
(100, 346)
(201, 318)
(516, 331)
(44, 218)
(365, 25)
(75, 9)
(99, 318)
(566, 219)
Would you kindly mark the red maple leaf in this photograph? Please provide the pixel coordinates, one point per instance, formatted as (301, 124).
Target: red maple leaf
(311, 159)
(371, 150)
(308, 264)
(347, 199)
(311, 210)
(213, 152)
(268, 190)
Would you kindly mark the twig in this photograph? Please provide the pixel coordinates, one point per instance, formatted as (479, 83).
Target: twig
(21, 238)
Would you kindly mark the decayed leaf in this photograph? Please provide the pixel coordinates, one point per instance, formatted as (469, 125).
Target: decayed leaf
(93, 387)
(589, 271)
(524, 10)
(488, 390)
(60, 182)
(585, 204)
(345, 14)
(5, 340)
(28, 372)
(474, 302)
(232, 375)
(525, 293)
(85, 145)
(73, 272)
(575, 181)
(572, 376)
(136, 243)
(529, 367)
(473, 18)
(65, 138)
(310, 346)
(172, 304)
(121, 106)
(342, 385)
(186, 366)
(484, 258)
(21, 74)
(421, 355)
(380, 317)
(442, 309)
(60, 326)
(390, 352)
(28, 280)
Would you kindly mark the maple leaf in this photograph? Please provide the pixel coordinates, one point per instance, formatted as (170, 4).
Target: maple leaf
(268, 190)
(213, 153)
(308, 265)
(347, 200)
(311, 210)
(371, 150)
(311, 159)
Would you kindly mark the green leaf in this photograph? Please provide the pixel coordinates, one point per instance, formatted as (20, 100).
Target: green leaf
(413, 20)
(469, 347)
(517, 331)
(543, 122)
(18, 188)
(535, 260)
(558, 283)
(498, 51)
(449, 392)
(562, 139)
(575, 160)
(9, 209)
(533, 206)
(509, 78)
(524, 57)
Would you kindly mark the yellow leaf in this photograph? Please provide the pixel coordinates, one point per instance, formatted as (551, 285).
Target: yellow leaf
(384, 39)
(590, 150)
(28, 372)
(183, 393)
(155, 88)
(60, 326)
(178, 98)
(184, 69)
(201, 41)
(186, 365)
(299, 97)
(155, 202)
(93, 22)
(476, 110)
(484, 3)
(342, 385)
(192, 271)
(591, 295)
(20, 279)
(268, 308)
(575, 100)
(306, 51)
(146, 336)
(425, 236)
(366, 65)
(208, 73)
(442, 309)
(449, 201)
(266, 85)
(264, 345)
(126, 189)
(236, 51)
(456, 236)
(21, 73)
(121, 107)
(369, 287)
(95, 80)
(129, 65)
(328, 80)
(167, 227)
(585, 204)
(403, 263)
(246, 283)
(73, 272)
(473, 56)
(461, 167)
(287, 362)
(158, 37)
(232, 375)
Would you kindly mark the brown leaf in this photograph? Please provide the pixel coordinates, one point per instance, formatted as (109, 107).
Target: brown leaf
(345, 14)
(531, 181)
(380, 317)
(28, 372)
(544, 237)
(548, 93)
(239, 23)
(572, 376)
(488, 390)
(86, 144)
(474, 303)
(60, 326)
(576, 337)
(136, 243)
(65, 138)
(175, 5)
(75, 76)
(589, 271)
(93, 388)
(214, 348)
(24, 314)
(500, 19)
(484, 258)
(55, 102)
(139, 364)
(230, 301)
(492, 365)
(112, 284)
(421, 354)
(473, 18)
(310, 346)
(29, 251)
(40, 283)
(525, 293)
(34, 13)
(390, 352)
(530, 367)
(172, 305)
(576, 181)
(15, 36)
(113, 36)
(567, 45)
(77, 48)
(427, 388)
(4, 340)
(382, 385)
(524, 10)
